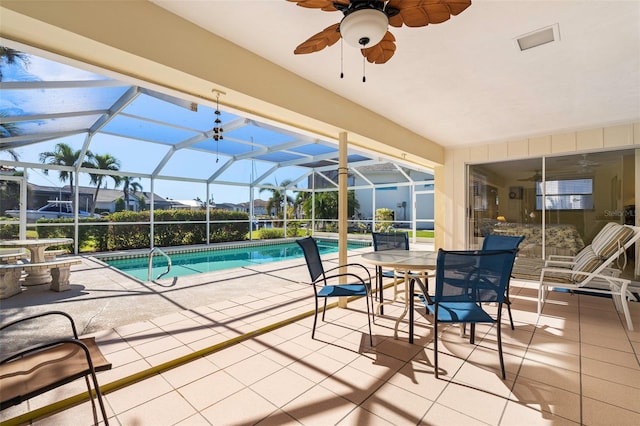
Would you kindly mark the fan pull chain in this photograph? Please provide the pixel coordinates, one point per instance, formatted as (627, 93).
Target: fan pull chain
(364, 77)
(341, 58)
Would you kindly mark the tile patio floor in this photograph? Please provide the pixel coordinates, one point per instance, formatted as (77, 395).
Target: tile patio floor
(576, 364)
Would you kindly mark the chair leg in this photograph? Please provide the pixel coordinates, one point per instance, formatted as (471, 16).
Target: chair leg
(324, 308)
(315, 319)
(99, 398)
(508, 302)
(369, 318)
(435, 340)
(499, 334)
(472, 338)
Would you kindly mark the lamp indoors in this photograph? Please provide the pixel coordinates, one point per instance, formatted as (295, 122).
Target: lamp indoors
(364, 27)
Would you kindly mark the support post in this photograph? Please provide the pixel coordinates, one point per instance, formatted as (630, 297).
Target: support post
(342, 207)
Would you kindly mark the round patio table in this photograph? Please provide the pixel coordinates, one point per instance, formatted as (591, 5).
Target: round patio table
(37, 248)
(404, 261)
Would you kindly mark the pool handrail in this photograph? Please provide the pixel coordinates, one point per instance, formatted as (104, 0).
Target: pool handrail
(151, 252)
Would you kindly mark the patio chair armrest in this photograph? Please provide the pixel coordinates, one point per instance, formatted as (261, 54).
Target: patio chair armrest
(352, 264)
(33, 317)
(556, 270)
(559, 263)
(346, 274)
(561, 258)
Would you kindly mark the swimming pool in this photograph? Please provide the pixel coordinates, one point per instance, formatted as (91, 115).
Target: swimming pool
(217, 259)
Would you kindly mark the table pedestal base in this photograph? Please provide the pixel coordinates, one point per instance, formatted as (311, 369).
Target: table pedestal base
(38, 277)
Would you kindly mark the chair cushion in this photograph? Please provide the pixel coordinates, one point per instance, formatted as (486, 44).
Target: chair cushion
(606, 242)
(342, 290)
(460, 312)
(586, 261)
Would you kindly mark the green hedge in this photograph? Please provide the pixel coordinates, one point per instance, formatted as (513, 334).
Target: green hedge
(9, 232)
(95, 237)
(128, 230)
(181, 232)
(271, 233)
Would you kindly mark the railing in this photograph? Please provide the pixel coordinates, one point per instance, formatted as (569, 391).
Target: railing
(153, 250)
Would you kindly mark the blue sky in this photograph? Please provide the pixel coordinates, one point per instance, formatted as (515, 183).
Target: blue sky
(135, 156)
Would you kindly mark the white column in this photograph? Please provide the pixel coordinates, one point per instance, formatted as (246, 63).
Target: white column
(342, 208)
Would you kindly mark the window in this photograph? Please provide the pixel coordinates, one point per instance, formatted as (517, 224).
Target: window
(570, 194)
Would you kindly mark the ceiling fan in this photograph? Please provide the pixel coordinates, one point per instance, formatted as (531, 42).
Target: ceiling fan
(365, 23)
(585, 165)
(536, 177)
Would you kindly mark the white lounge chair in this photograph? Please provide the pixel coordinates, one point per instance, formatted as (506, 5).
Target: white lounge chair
(593, 269)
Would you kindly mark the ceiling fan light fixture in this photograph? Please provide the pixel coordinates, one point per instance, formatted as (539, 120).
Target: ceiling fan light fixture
(364, 27)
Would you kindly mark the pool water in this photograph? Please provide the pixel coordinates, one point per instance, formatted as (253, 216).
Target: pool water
(218, 259)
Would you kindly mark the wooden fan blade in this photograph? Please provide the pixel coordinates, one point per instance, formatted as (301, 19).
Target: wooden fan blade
(317, 42)
(381, 52)
(420, 13)
(326, 5)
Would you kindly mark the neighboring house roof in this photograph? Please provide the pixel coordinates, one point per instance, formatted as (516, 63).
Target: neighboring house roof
(230, 206)
(256, 204)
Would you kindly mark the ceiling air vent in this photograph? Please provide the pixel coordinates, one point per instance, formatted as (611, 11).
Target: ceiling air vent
(538, 37)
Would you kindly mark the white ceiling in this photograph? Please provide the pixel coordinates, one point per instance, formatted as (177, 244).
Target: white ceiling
(463, 81)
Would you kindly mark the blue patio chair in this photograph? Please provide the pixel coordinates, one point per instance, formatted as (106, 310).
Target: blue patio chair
(391, 241)
(322, 290)
(503, 242)
(465, 280)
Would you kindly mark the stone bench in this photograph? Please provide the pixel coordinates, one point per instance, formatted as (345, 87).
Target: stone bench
(50, 255)
(12, 257)
(59, 269)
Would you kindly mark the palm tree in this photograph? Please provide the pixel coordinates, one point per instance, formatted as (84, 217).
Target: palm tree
(278, 199)
(299, 202)
(129, 187)
(64, 155)
(103, 162)
(8, 129)
(12, 56)
(326, 204)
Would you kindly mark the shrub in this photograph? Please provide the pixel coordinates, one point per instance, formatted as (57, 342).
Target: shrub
(271, 233)
(384, 219)
(9, 232)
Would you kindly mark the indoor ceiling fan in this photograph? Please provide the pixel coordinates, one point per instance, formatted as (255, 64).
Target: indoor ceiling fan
(365, 23)
(536, 177)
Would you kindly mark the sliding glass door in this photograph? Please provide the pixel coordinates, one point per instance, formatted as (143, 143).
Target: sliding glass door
(558, 203)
